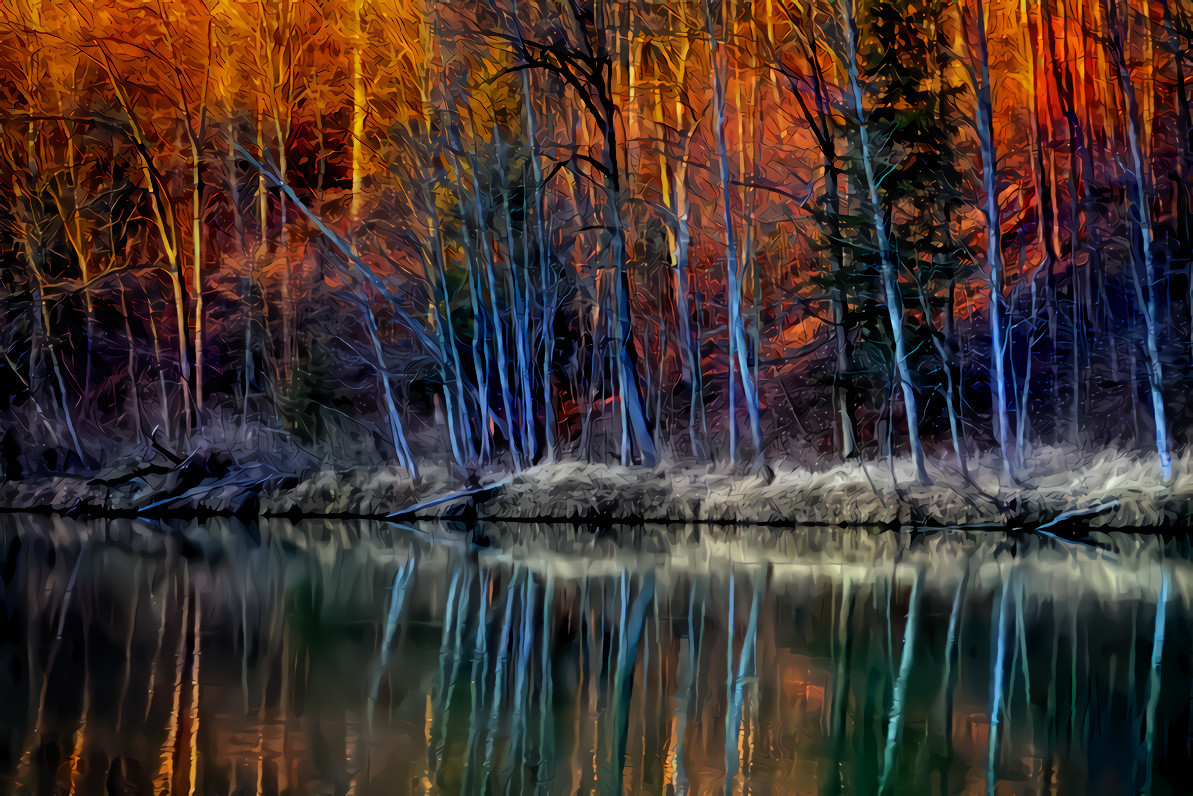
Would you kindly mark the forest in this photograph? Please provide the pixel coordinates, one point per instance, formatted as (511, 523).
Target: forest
(492, 234)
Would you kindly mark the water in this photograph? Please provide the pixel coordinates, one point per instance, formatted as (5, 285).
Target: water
(349, 657)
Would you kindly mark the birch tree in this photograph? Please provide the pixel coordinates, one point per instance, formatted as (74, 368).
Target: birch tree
(1143, 284)
(980, 77)
(737, 339)
(576, 49)
(855, 100)
(818, 119)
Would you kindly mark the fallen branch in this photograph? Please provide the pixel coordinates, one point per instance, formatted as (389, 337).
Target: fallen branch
(467, 493)
(1068, 514)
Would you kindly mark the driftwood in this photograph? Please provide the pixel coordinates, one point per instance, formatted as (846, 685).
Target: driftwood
(1064, 520)
(1084, 511)
(476, 495)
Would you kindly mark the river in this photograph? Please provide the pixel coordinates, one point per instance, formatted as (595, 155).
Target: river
(328, 656)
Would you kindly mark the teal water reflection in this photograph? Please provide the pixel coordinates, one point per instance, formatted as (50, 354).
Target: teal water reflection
(349, 657)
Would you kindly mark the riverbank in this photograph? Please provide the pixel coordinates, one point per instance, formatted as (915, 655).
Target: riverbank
(1103, 489)
(1107, 489)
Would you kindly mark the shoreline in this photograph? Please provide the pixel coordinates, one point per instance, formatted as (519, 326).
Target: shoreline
(1065, 491)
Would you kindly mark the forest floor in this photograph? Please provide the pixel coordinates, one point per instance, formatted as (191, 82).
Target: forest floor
(1062, 491)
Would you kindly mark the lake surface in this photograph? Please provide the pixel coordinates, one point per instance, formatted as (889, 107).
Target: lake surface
(351, 657)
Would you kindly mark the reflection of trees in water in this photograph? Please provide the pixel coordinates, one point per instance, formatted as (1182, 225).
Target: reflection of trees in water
(331, 656)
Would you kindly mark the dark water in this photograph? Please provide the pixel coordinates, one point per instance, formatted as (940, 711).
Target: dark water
(331, 657)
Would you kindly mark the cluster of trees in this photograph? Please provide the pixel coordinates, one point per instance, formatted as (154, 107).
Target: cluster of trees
(595, 227)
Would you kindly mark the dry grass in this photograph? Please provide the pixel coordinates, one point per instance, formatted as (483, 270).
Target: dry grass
(363, 491)
(1127, 488)
(1056, 481)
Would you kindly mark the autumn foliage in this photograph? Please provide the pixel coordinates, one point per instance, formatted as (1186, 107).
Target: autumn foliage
(507, 231)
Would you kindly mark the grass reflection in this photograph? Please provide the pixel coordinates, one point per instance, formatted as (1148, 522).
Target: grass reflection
(375, 658)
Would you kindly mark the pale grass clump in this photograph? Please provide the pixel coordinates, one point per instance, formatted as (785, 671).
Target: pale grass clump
(1106, 488)
(1112, 488)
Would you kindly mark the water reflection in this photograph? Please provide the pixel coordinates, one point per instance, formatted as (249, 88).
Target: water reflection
(332, 657)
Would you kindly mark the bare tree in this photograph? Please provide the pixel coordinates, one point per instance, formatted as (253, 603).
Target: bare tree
(1144, 285)
(890, 276)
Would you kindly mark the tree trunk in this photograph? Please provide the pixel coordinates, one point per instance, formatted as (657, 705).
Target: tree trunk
(822, 128)
(737, 338)
(994, 261)
(507, 397)
(479, 346)
(358, 110)
(397, 431)
(246, 281)
(890, 279)
(161, 373)
(464, 448)
(287, 305)
(542, 244)
(673, 186)
(1145, 286)
(635, 434)
(197, 266)
(133, 384)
